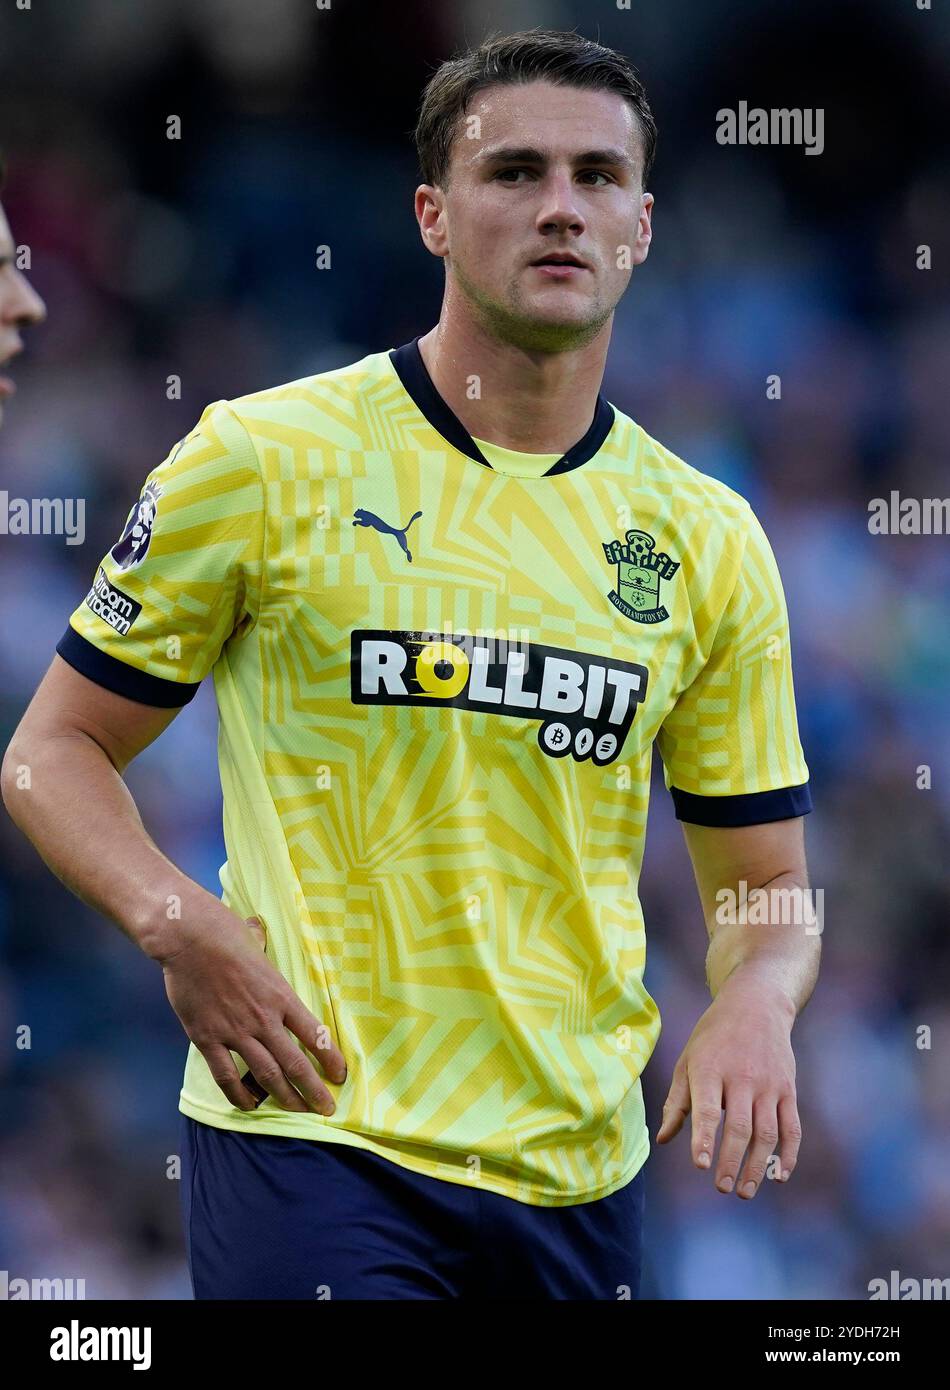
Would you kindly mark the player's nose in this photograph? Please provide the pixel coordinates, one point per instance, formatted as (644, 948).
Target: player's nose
(22, 306)
(559, 208)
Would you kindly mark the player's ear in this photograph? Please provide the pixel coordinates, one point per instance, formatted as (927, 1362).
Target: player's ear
(429, 209)
(644, 229)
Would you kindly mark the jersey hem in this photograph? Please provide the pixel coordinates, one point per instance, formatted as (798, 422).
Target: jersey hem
(326, 1134)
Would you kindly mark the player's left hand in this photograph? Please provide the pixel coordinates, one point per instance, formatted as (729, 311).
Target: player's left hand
(738, 1065)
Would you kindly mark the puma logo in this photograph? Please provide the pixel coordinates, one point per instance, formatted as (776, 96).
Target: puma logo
(364, 518)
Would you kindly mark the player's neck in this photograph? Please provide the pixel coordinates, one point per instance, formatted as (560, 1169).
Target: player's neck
(537, 403)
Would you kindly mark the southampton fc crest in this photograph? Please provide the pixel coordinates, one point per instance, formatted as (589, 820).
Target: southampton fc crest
(131, 547)
(640, 568)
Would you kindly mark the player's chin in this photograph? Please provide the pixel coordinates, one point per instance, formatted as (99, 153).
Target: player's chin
(572, 300)
(563, 314)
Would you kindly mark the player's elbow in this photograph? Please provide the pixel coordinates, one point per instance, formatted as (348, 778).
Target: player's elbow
(14, 772)
(23, 761)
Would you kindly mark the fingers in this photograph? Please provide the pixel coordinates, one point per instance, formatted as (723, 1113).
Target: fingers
(758, 1125)
(268, 1070)
(764, 1139)
(297, 1068)
(736, 1135)
(278, 1068)
(707, 1113)
(230, 1001)
(676, 1106)
(790, 1133)
(224, 1072)
(752, 1128)
(315, 1037)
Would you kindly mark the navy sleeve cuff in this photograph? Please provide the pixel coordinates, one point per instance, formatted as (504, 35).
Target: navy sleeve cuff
(119, 677)
(751, 808)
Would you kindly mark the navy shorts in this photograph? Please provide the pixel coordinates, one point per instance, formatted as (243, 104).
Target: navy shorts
(273, 1217)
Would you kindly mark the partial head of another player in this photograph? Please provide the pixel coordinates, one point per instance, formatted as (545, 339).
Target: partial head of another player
(534, 150)
(20, 305)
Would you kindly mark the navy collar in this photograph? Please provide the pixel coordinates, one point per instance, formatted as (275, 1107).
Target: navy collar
(412, 372)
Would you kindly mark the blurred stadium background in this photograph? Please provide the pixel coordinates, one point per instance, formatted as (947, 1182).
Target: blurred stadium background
(196, 257)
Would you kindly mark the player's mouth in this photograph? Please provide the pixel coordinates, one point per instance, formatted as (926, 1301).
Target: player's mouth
(560, 265)
(7, 384)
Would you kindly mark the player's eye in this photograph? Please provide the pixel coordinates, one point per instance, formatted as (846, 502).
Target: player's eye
(506, 175)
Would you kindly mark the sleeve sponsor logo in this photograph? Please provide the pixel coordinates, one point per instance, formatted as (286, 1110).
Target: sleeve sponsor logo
(132, 546)
(585, 703)
(112, 605)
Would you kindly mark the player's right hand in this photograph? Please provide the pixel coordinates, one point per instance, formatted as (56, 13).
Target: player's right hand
(230, 998)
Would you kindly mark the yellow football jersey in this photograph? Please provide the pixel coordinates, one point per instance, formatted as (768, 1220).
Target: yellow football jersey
(439, 678)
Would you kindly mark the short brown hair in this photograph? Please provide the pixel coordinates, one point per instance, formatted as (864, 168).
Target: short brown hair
(534, 55)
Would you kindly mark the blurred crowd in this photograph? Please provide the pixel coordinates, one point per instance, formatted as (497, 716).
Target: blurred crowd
(195, 258)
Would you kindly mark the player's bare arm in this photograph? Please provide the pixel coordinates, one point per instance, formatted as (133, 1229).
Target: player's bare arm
(738, 1066)
(62, 783)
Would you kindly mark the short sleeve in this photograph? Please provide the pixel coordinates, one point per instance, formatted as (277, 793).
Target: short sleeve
(185, 575)
(730, 745)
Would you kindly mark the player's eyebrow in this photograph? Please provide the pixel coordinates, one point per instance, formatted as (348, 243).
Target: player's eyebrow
(526, 154)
